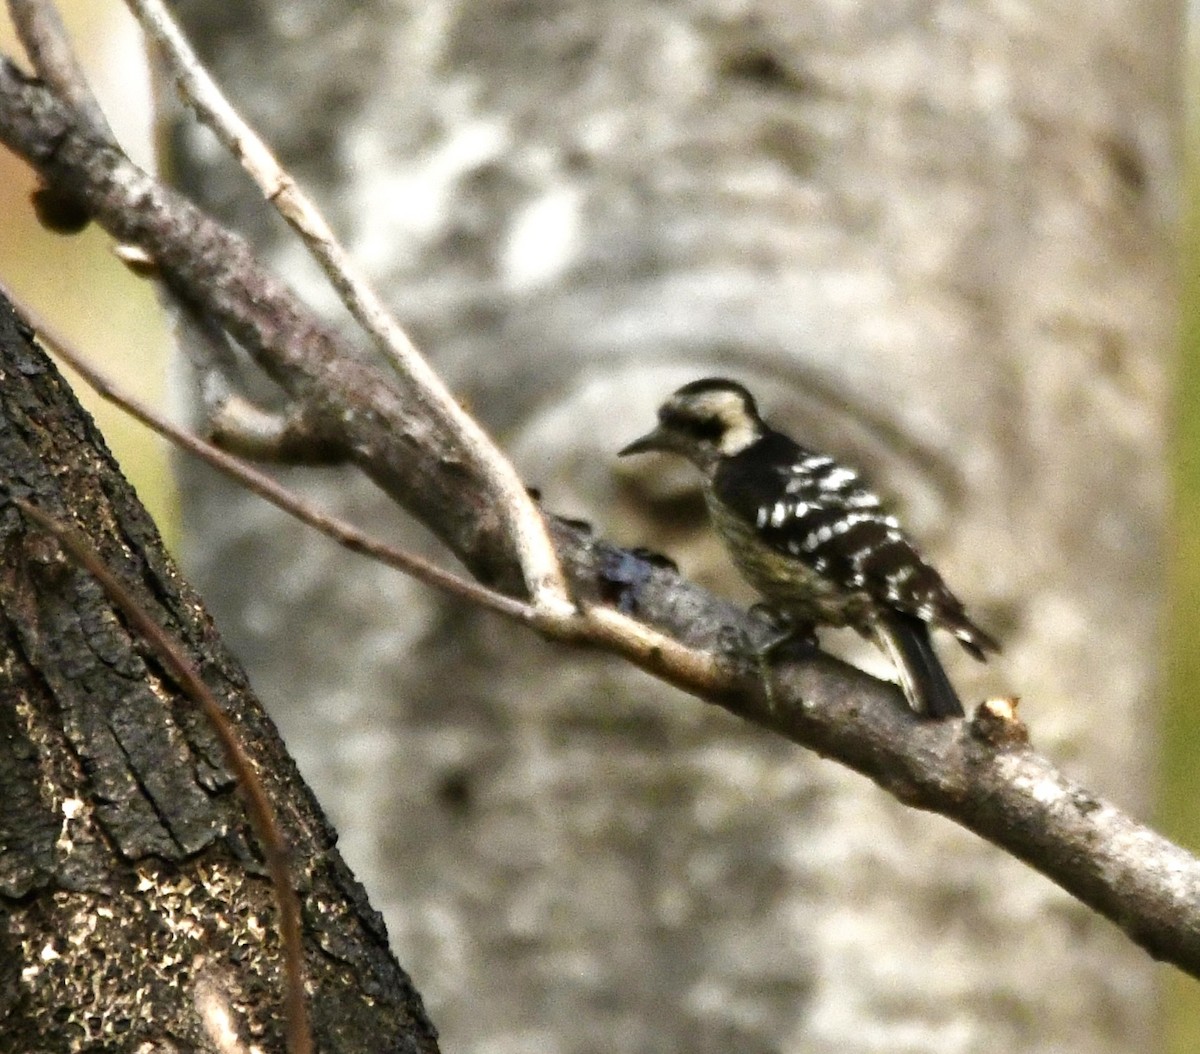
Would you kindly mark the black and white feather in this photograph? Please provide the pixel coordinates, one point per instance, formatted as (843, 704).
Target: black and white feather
(813, 539)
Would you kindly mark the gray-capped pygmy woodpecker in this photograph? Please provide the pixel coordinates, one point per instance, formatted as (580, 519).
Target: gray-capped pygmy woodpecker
(812, 539)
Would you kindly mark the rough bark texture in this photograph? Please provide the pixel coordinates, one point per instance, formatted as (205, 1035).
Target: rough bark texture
(131, 894)
(937, 240)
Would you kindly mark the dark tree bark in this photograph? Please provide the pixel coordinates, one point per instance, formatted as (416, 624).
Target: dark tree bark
(132, 895)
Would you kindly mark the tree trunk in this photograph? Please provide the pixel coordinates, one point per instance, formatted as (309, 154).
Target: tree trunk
(938, 243)
(133, 901)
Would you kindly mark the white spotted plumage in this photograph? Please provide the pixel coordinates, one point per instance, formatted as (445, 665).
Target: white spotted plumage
(812, 538)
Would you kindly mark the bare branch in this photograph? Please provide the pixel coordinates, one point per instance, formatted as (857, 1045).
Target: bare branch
(258, 805)
(44, 38)
(597, 625)
(543, 576)
(243, 428)
(259, 483)
(400, 441)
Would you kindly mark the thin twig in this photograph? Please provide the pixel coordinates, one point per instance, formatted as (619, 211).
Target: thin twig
(390, 434)
(44, 38)
(258, 805)
(264, 486)
(596, 625)
(542, 572)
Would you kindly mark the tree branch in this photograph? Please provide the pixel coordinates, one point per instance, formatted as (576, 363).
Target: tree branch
(44, 37)
(390, 433)
(246, 475)
(980, 773)
(543, 576)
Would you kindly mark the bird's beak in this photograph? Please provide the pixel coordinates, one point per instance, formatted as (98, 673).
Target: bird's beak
(650, 441)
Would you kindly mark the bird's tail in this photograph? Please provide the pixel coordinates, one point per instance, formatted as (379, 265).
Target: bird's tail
(926, 686)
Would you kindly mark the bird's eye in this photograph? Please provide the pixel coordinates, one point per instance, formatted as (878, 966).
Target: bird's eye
(702, 429)
(709, 429)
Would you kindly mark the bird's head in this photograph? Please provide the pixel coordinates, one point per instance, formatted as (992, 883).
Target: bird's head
(703, 422)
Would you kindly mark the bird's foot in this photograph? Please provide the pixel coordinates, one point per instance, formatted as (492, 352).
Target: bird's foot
(754, 652)
(782, 634)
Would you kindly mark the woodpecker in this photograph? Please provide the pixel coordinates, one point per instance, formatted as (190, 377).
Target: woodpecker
(812, 539)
